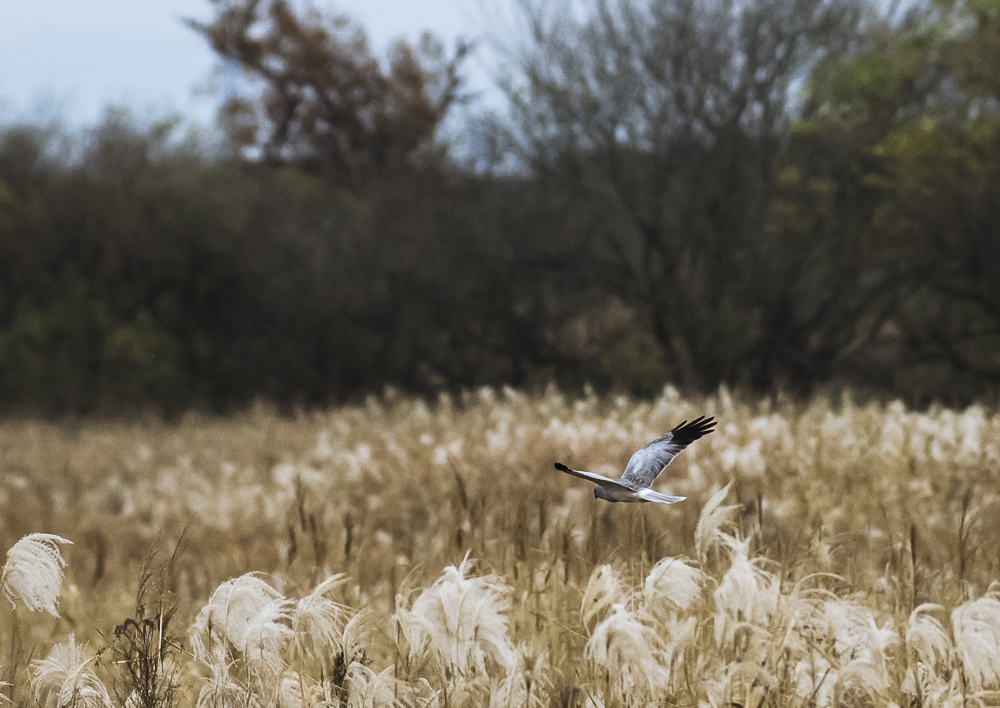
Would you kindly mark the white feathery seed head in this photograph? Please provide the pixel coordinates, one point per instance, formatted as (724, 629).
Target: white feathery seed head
(925, 687)
(747, 683)
(462, 622)
(926, 636)
(628, 651)
(221, 691)
(359, 632)
(529, 684)
(744, 583)
(296, 690)
(681, 635)
(803, 613)
(713, 517)
(604, 589)
(318, 622)
(229, 613)
(357, 682)
(860, 683)
(976, 626)
(33, 572)
(366, 689)
(814, 680)
(265, 638)
(672, 586)
(747, 593)
(864, 646)
(65, 678)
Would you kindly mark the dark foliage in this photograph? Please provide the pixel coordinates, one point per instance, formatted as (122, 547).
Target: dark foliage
(667, 211)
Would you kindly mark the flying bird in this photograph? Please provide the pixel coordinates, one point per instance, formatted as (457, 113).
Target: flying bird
(645, 466)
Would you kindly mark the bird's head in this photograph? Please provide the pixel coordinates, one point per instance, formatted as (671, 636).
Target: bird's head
(599, 492)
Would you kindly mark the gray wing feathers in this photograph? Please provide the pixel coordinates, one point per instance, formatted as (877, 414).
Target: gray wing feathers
(647, 464)
(595, 478)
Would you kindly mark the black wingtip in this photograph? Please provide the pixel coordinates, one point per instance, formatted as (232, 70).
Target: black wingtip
(561, 467)
(697, 428)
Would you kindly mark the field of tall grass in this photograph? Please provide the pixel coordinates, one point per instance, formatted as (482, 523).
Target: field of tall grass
(425, 553)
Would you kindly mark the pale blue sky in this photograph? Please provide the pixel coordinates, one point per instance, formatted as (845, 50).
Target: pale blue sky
(76, 57)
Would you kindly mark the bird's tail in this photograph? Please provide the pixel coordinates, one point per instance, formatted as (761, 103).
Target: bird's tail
(651, 496)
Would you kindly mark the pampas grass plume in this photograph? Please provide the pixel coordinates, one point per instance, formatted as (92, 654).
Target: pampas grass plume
(713, 517)
(34, 572)
(626, 651)
(528, 686)
(672, 586)
(221, 691)
(463, 622)
(267, 634)
(65, 678)
(604, 589)
(927, 637)
(860, 683)
(976, 626)
(318, 622)
(229, 614)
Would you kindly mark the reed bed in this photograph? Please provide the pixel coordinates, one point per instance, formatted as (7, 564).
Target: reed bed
(406, 552)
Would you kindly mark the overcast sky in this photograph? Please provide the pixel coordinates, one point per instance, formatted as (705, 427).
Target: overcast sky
(75, 57)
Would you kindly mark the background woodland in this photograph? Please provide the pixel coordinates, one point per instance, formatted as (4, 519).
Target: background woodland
(779, 196)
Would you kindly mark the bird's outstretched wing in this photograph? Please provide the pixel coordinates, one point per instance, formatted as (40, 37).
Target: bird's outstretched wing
(646, 464)
(595, 478)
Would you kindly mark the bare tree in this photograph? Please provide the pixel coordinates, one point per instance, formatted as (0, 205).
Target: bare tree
(326, 102)
(665, 119)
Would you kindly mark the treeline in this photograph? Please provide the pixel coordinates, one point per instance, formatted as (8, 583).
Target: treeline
(775, 196)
